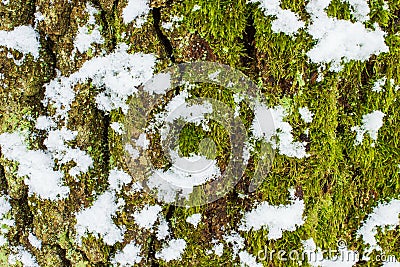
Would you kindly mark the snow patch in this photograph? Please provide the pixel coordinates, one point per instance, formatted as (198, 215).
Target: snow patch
(194, 219)
(5, 223)
(274, 218)
(378, 85)
(38, 166)
(129, 256)
(246, 259)
(371, 123)
(90, 33)
(117, 127)
(98, 219)
(383, 215)
(117, 179)
(23, 39)
(23, 256)
(119, 72)
(136, 10)
(147, 216)
(306, 114)
(267, 127)
(286, 21)
(34, 241)
(173, 251)
(339, 41)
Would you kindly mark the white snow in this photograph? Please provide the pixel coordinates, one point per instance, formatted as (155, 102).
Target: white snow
(181, 178)
(158, 84)
(117, 179)
(129, 256)
(117, 127)
(218, 249)
(246, 259)
(306, 114)
(90, 33)
(23, 256)
(339, 41)
(163, 228)
(5, 223)
(359, 9)
(98, 219)
(5, 206)
(147, 216)
(371, 123)
(173, 251)
(56, 144)
(45, 123)
(378, 85)
(179, 108)
(194, 219)
(173, 22)
(119, 72)
(142, 141)
(383, 215)
(86, 37)
(36, 165)
(269, 122)
(133, 152)
(196, 8)
(236, 241)
(34, 241)
(23, 39)
(286, 21)
(274, 218)
(136, 10)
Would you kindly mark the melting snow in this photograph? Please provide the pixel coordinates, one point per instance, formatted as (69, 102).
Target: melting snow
(119, 72)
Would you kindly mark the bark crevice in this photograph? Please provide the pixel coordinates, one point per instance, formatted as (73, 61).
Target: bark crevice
(156, 12)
